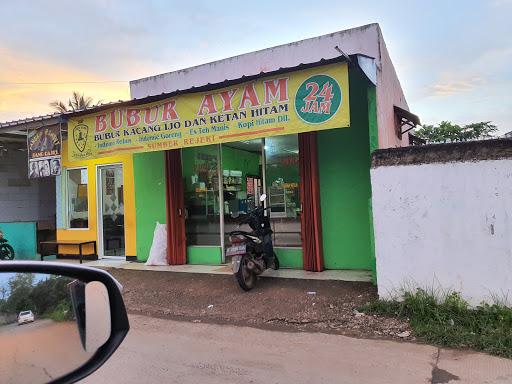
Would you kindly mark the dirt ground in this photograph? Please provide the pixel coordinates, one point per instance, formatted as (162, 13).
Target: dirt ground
(283, 304)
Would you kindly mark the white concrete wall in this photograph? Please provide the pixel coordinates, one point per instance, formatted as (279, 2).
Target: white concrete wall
(366, 40)
(445, 226)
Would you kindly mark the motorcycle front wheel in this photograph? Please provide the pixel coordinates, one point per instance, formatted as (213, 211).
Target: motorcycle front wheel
(245, 278)
(6, 252)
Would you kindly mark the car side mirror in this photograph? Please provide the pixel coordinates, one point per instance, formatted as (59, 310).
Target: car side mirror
(58, 322)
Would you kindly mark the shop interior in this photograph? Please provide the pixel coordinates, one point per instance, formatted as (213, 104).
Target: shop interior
(245, 169)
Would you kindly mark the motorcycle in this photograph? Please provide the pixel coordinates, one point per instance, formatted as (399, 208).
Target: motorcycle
(252, 252)
(6, 251)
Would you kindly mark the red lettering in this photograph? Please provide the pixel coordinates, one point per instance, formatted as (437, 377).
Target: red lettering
(227, 98)
(132, 117)
(276, 89)
(147, 114)
(101, 123)
(169, 111)
(326, 92)
(207, 103)
(312, 94)
(113, 123)
(325, 107)
(250, 96)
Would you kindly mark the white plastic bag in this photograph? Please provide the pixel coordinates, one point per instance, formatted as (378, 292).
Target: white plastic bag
(158, 251)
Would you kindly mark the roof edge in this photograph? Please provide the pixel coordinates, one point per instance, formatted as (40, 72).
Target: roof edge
(208, 87)
(361, 27)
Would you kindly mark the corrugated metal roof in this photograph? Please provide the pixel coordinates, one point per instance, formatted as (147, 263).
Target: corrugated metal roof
(41, 118)
(51, 118)
(359, 40)
(204, 88)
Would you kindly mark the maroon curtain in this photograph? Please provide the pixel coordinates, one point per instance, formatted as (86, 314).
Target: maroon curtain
(311, 218)
(176, 238)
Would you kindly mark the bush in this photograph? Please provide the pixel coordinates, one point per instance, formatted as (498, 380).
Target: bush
(62, 312)
(450, 321)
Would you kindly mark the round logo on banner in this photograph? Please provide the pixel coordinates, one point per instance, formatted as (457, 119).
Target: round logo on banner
(318, 99)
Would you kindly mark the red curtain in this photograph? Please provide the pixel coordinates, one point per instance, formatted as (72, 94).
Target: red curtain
(312, 252)
(176, 238)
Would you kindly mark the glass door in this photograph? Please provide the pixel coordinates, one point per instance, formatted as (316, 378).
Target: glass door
(111, 210)
(201, 183)
(242, 181)
(282, 184)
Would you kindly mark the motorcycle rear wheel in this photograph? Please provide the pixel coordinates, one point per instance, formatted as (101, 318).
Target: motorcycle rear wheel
(6, 252)
(246, 279)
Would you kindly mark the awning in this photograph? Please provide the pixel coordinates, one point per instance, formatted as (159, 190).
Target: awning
(404, 120)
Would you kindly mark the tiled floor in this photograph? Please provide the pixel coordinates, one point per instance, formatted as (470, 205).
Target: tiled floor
(343, 275)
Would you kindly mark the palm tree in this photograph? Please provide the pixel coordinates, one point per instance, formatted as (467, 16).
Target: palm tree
(76, 103)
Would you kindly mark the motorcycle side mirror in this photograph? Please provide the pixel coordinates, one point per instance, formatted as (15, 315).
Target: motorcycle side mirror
(263, 197)
(61, 321)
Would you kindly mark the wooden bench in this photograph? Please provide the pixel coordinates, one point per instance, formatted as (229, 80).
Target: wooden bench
(50, 248)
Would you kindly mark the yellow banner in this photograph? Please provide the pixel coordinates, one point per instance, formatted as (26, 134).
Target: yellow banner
(294, 102)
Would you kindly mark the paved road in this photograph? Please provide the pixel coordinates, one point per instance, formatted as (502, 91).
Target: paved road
(39, 351)
(166, 351)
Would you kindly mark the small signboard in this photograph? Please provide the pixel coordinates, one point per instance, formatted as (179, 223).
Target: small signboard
(44, 152)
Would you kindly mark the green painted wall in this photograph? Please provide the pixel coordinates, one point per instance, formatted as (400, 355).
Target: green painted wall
(372, 118)
(149, 175)
(204, 255)
(344, 167)
(289, 257)
(374, 144)
(345, 189)
(22, 237)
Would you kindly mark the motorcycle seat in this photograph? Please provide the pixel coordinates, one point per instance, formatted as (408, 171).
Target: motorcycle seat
(248, 235)
(243, 233)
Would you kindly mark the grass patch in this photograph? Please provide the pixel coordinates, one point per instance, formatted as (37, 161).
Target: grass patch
(450, 321)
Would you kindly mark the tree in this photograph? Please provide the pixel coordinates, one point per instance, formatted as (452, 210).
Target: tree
(20, 287)
(48, 293)
(46, 296)
(447, 132)
(77, 102)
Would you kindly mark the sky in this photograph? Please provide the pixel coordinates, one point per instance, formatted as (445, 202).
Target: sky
(452, 57)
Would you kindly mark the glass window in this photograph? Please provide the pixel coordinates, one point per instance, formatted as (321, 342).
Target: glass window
(242, 180)
(282, 183)
(77, 207)
(201, 181)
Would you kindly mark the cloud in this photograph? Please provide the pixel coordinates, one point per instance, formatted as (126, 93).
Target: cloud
(28, 84)
(454, 87)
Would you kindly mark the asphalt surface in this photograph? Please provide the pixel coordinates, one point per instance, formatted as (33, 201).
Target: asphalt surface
(167, 351)
(38, 352)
